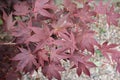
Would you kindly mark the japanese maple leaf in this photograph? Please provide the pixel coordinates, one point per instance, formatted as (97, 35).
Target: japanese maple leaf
(70, 6)
(81, 62)
(21, 8)
(66, 42)
(42, 56)
(12, 75)
(2, 5)
(112, 16)
(52, 70)
(42, 44)
(85, 14)
(110, 50)
(61, 24)
(102, 8)
(57, 54)
(21, 32)
(42, 6)
(9, 23)
(86, 40)
(40, 34)
(26, 60)
(82, 68)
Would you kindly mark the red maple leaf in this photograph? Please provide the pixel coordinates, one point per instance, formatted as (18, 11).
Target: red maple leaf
(80, 61)
(42, 6)
(67, 42)
(26, 60)
(21, 8)
(9, 23)
(86, 40)
(110, 50)
(112, 16)
(52, 70)
(21, 32)
(42, 44)
(12, 75)
(2, 5)
(85, 14)
(40, 34)
(102, 8)
(61, 24)
(57, 54)
(42, 56)
(69, 5)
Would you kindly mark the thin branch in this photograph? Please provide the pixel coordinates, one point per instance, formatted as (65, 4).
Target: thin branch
(9, 43)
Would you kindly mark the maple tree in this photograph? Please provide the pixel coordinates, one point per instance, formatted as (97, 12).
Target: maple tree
(43, 33)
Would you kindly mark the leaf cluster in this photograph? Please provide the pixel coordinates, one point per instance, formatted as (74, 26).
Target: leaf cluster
(46, 33)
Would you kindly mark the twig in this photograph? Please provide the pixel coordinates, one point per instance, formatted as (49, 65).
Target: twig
(9, 43)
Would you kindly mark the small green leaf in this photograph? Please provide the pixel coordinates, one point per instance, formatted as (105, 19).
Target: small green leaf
(58, 2)
(17, 18)
(98, 52)
(98, 63)
(1, 21)
(102, 31)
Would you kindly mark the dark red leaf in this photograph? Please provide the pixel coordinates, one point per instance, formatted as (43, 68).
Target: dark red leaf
(85, 14)
(81, 62)
(82, 67)
(41, 7)
(61, 24)
(52, 70)
(9, 23)
(21, 32)
(12, 75)
(69, 5)
(26, 60)
(79, 71)
(42, 44)
(57, 54)
(110, 50)
(21, 8)
(67, 42)
(40, 34)
(86, 40)
(42, 56)
(112, 17)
